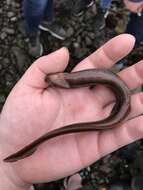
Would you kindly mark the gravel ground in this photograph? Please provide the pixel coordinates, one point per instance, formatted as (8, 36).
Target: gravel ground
(83, 38)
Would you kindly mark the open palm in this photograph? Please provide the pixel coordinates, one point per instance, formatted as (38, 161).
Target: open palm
(32, 109)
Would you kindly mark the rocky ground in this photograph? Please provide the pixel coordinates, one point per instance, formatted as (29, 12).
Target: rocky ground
(83, 38)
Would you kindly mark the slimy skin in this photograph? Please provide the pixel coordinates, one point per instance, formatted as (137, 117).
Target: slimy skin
(85, 78)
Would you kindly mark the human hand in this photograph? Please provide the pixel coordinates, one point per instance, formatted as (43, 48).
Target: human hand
(32, 110)
(135, 7)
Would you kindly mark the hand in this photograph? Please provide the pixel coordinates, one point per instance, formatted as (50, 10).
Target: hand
(135, 7)
(32, 110)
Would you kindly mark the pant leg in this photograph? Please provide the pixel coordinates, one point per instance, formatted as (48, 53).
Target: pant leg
(104, 4)
(33, 12)
(49, 11)
(135, 27)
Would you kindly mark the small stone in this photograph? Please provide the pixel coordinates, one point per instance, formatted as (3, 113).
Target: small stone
(10, 14)
(76, 45)
(3, 35)
(8, 2)
(15, 5)
(13, 19)
(70, 32)
(88, 41)
(10, 31)
(2, 99)
(91, 35)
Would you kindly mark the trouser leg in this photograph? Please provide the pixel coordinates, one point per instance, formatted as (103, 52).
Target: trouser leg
(33, 13)
(49, 11)
(135, 27)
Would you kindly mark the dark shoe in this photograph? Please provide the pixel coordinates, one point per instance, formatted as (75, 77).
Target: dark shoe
(100, 18)
(120, 185)
(35, 48)
(54, 29)
(80, 6)
(137, 183)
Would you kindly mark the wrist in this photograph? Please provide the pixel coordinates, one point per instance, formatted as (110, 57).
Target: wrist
(9, 180)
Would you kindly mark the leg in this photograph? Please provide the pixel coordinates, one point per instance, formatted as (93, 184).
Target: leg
(49, 24)
(49, 11)
(135, 27)
(105, 4)
(33, 13)
(80, 6)
(102, 13)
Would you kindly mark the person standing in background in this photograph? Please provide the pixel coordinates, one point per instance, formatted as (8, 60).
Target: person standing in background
(80, 6)
(135, 24)
(40, 15)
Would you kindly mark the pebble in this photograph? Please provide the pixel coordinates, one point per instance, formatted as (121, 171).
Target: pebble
(88, 41)
(2, 99)
(69, 32)
(10, 31)
(10, 14)
(3, 35)
(76, 45)
(91, 35)
(8, 2)
(13, 19)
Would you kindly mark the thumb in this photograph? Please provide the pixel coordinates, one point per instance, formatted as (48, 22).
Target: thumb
(52, 63)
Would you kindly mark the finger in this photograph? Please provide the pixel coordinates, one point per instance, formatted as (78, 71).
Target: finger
(103, 143)
(110, 53)
(52, 63)
(119, 137)
(105, 57)
(133, 76)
